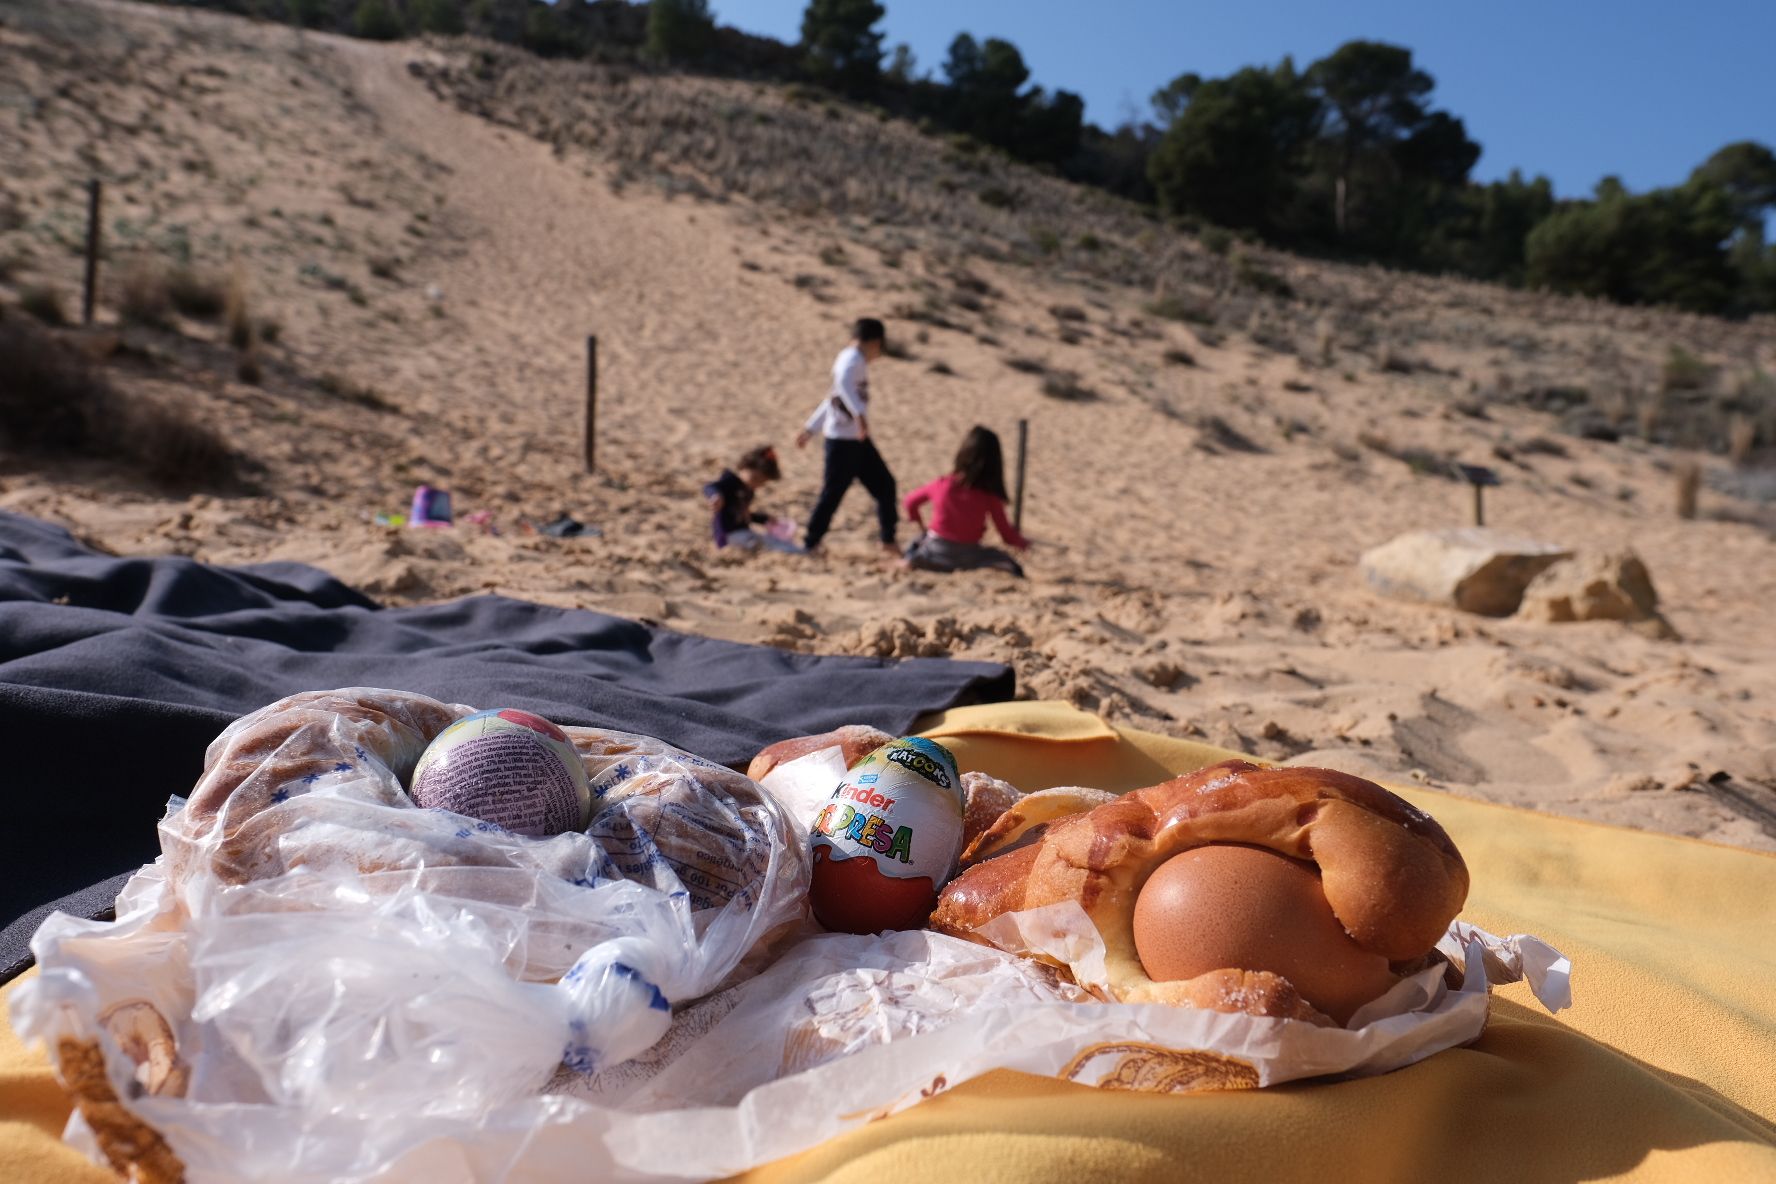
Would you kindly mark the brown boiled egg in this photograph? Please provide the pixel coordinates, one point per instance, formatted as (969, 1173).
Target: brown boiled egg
(1227, 905)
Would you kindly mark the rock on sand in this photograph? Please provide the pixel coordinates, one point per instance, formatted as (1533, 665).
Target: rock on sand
(1604, 586)
(1471, 568)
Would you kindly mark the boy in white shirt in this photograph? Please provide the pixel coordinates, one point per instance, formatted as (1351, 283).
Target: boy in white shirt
(843, 420)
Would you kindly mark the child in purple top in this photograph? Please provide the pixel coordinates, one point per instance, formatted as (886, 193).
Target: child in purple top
(730, 499)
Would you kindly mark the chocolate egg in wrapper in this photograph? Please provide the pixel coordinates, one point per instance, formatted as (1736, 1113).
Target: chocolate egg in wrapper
(508, 767)
(888, 839)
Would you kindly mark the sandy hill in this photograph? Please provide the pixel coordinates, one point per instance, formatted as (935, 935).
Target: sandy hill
(425, 234)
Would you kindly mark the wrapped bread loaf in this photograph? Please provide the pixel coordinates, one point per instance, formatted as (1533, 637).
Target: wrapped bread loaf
(316, 782)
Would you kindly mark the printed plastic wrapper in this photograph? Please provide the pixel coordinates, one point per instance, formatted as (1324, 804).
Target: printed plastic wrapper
(472, 1005)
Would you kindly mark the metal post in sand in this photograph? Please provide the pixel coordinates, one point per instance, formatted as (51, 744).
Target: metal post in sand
(1479, 477)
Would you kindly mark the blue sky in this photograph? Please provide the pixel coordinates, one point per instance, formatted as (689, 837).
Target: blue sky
(1573, 89)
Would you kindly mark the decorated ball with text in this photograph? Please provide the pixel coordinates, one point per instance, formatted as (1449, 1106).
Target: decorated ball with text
(508, 767)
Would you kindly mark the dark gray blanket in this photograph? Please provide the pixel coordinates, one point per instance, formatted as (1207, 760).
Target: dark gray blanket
(116, 673)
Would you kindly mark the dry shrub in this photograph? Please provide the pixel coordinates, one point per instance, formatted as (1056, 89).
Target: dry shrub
(1648, 414)
(1543, 446)
(1179, 357)
(1422, 461)
(237, 314)
(1065, 386)
(351, 391)
(1684, 371)
(967, 281)
(1390, 359)
(1267, 333)
(1253, 275)
(1689, 485)
(967, 301)
(1741, 438)
(1754, 397)
(45, 303)
(53, 401)
(929, 312)
(196, 294)
(1215, 433)
(175, 451)
(142, 296)
(1193, 311)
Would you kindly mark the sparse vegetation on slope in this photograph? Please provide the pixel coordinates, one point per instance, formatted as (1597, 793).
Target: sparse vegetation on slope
(54, 401)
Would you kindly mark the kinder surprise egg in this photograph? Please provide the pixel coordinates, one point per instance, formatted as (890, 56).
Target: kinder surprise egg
(507, 767)
(888, 839)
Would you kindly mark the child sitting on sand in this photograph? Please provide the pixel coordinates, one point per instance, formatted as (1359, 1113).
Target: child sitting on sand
(961, 503)
(730, 497)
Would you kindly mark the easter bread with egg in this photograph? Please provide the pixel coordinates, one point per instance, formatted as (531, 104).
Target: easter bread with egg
(1308, 891)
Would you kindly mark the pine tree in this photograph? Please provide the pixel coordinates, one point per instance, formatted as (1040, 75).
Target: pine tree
(438, 16)
(376, 21)
(679, 30)
(842, 43)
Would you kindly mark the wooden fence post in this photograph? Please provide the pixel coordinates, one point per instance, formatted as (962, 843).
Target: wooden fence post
(1017, 511)
(93, 190)
(591, 403)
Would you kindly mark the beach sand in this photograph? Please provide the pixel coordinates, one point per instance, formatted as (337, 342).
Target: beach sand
(434, 274)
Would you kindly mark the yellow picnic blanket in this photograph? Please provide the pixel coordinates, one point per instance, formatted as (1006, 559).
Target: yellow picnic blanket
(1663, 1070)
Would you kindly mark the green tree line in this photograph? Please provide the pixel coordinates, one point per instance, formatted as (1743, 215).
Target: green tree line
(1348, 157)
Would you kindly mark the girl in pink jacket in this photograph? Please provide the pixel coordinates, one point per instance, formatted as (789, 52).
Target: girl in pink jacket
(961, 503)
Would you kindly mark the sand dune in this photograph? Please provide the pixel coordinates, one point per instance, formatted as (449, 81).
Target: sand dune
(1197, 525)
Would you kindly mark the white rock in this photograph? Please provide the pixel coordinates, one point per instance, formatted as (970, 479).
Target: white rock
(1473, 568)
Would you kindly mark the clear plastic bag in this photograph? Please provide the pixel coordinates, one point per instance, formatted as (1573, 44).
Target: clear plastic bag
(439, 1086)
(326, 951)
(370, 991)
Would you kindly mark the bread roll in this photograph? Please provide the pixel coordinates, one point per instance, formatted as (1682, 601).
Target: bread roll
(1392, 877)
